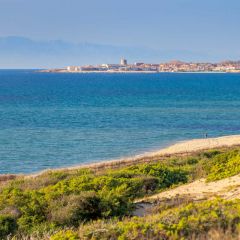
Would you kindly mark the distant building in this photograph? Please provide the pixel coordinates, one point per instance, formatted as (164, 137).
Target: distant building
(110, 66)
(173, 66)
(123, 62)
(88, 68)
(138, 63)
(73, 68)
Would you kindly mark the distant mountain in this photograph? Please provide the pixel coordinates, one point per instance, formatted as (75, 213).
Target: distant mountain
(21, 52)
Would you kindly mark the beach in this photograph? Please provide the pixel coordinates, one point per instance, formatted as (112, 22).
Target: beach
(201, 144)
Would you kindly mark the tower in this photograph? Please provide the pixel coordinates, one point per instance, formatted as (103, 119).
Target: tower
(123, 61)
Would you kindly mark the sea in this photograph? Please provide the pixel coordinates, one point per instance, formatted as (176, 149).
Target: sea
(55, 120)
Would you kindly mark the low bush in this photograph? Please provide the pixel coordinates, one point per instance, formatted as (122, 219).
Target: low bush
(191, 221)
(8, 226)
(223, 165)
(69, 199)
(73, 209)
(65, 235)
(199, 218)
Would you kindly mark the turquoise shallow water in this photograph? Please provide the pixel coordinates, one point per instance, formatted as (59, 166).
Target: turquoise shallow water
(58, 120)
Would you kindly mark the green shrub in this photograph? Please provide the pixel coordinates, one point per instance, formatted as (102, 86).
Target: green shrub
(63, 198)
(115, 202)
(211, 153)
(192, 161)
(8, 226)
(65, 235)
(73, 209)
(223, 165)
(199, 218)
(167, 176)
(131, 228)
(191, 221)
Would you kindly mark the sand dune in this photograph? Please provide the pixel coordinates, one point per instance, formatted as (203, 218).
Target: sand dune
(228, 188)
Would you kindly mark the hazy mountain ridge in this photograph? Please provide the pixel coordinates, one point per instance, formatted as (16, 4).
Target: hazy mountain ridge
(22, 52)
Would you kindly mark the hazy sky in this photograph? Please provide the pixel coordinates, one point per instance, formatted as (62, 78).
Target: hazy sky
(209, 26)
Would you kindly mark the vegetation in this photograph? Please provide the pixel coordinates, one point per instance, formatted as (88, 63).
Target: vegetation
(184, 222)
(89, 204)
(61, 199)
(224, 165)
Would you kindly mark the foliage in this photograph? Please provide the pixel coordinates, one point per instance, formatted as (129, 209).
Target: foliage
(199, 218)
(101, 202)
(71, 210)
(65, 235)
(224, 165)
(69, 199)
(185, 222)
(7, 226)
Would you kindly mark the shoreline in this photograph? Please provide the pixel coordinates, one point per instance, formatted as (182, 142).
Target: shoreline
(181, 148)
(87, 72)
(133, 72)
(178, 149)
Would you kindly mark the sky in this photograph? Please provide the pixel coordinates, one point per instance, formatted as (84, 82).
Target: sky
(207, 27)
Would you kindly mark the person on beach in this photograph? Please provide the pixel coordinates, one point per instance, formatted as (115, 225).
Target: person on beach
(206, 135)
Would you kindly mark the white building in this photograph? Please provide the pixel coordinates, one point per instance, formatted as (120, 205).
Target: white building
(123, 61)
(73, 68)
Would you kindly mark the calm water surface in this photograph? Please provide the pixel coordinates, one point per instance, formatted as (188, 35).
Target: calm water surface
(57, 120)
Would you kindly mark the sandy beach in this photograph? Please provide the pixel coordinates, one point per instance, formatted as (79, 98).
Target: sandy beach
(201, 144)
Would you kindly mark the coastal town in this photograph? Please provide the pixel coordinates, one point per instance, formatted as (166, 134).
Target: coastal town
(138, 67)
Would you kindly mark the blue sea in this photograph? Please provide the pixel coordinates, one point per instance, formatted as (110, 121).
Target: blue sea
(52, 120)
